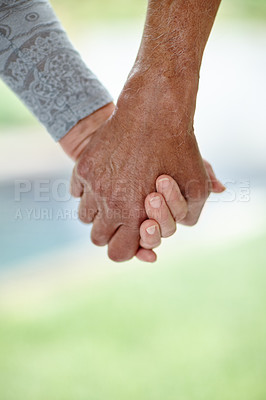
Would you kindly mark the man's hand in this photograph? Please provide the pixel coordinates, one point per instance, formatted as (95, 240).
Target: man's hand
(150, 133)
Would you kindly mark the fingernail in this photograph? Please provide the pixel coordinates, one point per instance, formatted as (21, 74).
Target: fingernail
(155, 202)
(164, 183)
(151, 230)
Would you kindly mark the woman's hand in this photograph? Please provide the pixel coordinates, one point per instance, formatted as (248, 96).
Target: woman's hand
(165, 208)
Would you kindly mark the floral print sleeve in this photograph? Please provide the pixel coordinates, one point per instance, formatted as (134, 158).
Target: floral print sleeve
(38, 62)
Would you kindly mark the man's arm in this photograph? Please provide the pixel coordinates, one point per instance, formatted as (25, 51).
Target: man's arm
(175, 35)
(38, 62)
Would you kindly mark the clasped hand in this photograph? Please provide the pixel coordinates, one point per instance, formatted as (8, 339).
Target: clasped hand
(142, 162)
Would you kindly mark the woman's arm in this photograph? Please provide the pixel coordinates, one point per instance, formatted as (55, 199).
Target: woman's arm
(38, 62)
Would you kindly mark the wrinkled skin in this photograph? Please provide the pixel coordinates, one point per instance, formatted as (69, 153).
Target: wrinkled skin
(151, 131)
(149, 134)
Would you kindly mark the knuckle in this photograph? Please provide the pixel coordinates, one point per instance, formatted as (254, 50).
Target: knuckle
(191, 221)
(75, 187)
(181, 214)
(86, 215)
(114, 203)
(117, 256)
(197, 190)
(155, 244)
(98, 240)
(180, 217)
(204, 191)
(169, 232)
(82, 168)
(83, 219)
(73, 190)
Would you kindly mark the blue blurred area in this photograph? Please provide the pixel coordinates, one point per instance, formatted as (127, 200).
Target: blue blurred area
(30, 228)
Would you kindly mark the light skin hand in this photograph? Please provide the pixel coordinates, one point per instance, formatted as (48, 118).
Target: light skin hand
(172, 203)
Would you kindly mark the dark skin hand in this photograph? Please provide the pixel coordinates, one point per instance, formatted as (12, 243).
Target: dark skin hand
(121, 162)
(164, 208)
(151, 131)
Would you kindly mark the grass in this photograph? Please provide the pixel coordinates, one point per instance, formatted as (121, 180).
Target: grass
(193, 329)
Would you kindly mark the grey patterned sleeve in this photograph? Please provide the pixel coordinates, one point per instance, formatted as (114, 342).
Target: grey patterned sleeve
(38, 62)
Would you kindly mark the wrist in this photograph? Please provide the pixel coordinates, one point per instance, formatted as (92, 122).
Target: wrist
(176, 62)
(155, 91)
(75, 141)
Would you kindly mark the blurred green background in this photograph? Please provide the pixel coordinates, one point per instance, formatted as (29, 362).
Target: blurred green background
(74, 325)
(193, 331)
(91, 10)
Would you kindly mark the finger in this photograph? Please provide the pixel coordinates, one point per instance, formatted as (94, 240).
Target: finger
(196, 194)
(124, 244)
(150, 235)
(87, 208)
(194, 210)
(146, 255)
(76, 187)
(216, 185)
(157, 210)
(102, 230)
(176, 203)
